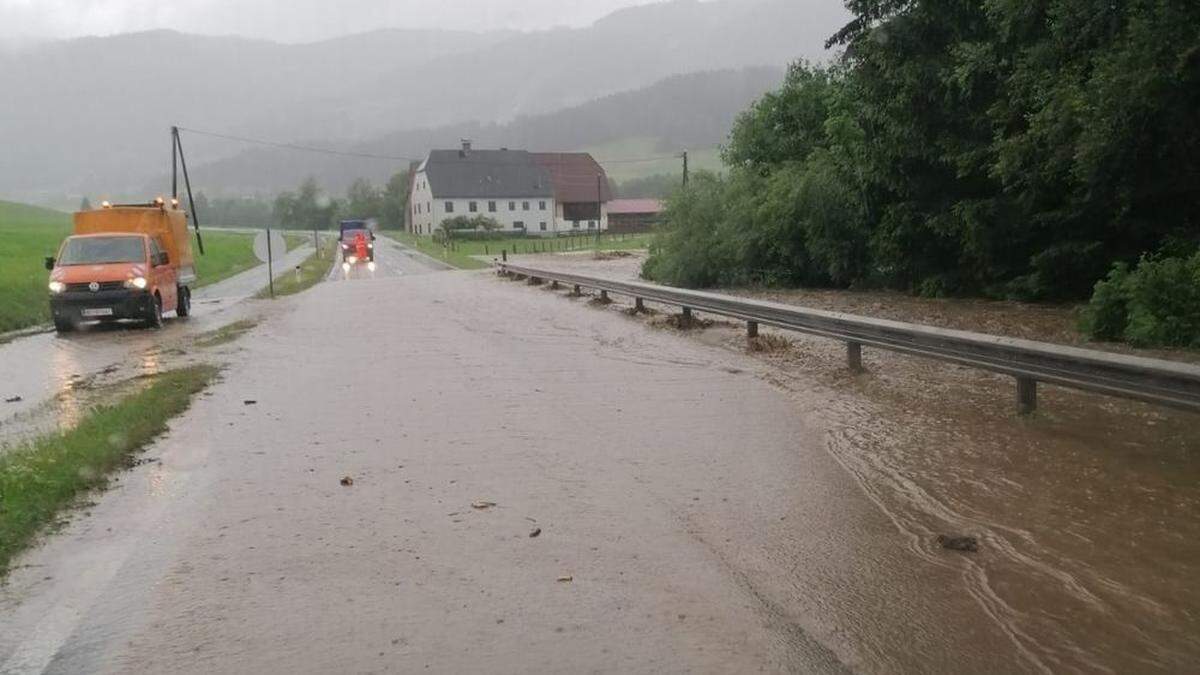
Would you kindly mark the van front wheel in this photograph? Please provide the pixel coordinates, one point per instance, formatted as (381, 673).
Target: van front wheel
(155, 318)
(183, 306)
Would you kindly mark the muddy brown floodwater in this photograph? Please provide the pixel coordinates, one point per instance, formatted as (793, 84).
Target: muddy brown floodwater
(700, 508)
(1085, 513)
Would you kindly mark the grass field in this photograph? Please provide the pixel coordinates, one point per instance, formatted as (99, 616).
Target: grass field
(28, 234)
(39, 479)
(614, 156)
(461, 253)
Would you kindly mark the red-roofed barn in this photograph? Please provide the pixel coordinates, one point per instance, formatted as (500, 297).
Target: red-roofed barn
(633, 215)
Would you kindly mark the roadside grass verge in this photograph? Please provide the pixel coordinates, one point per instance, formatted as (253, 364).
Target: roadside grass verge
(226, 334)
(40, 478)
(314, 269)
(461, 253)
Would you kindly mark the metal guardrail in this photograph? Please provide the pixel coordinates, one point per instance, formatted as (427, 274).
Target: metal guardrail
(1153, 380)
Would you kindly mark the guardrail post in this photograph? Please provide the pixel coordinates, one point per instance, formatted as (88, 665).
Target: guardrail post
(1026, 395)
(687, 313)
(603, 296)
(638, 305)
(576, 291)
(854, 356)
(554, 284)
(504, 254)
(752, 329)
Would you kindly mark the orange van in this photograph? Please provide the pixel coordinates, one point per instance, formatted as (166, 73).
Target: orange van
(124, 262)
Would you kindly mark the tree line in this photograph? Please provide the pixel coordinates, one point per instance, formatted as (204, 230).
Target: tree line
(309, 207)
(1005, 148)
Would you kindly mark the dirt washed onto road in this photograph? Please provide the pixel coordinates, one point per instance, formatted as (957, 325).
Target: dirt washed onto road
(1085, 514)
(362, 493)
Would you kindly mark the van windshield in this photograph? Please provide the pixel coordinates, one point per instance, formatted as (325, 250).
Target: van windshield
(100, 250)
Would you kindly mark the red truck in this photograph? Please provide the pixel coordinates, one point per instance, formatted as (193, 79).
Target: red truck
(356, 240)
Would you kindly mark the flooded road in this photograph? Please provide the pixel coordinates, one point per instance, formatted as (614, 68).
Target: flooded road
(1086, 512)
(697, 508)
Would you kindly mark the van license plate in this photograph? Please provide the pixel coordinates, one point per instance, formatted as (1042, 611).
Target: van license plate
(98, 311)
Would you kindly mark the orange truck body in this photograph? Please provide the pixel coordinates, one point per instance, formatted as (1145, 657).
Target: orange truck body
(167, 225)
(129, 289)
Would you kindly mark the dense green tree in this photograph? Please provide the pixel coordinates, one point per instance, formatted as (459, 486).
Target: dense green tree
(1003, 147)
(305, 209)
(657, 186)
(253, 212)
(363, 200)
(395, 201)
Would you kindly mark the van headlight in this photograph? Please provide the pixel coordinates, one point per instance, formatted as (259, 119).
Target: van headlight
(136, 282)
(57, 287)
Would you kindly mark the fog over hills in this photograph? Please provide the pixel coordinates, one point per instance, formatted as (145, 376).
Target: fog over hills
(91, 115)
(683, 111)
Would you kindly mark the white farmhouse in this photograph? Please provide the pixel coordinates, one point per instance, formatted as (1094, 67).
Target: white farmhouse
(508, 186)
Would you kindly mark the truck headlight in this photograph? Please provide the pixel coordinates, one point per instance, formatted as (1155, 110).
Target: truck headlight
(136, 282)
(57, 287)
(370, 245)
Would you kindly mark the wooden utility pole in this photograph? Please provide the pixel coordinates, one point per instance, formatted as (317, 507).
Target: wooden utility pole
(599, 207)
(685, 168)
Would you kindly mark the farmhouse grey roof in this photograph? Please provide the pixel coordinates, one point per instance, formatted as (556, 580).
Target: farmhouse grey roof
(486, 174)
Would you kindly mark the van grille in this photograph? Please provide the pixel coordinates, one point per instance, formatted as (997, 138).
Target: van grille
(104, 286)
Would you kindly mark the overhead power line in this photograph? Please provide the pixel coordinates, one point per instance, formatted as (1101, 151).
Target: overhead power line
(294, 146)
(390, 158)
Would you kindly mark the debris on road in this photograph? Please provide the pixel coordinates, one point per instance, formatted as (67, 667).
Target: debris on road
(566, 578)
(13, 399)
(611, 255)
(536, 531)
(347, 481)
(683, 321)
(958, 543)
(481, 505)
(768, 343)
(249, 401)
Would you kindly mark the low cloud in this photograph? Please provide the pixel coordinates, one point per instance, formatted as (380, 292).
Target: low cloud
(288, 20)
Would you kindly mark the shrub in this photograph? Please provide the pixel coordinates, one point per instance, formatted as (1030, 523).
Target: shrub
(1164, 303)
(1106, 314)
(1156, 304)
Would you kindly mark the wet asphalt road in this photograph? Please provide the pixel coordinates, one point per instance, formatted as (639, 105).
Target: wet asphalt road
(690, 517)
(41, 367)
(44, 370)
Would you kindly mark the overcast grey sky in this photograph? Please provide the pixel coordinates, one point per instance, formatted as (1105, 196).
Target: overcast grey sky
(288, 20)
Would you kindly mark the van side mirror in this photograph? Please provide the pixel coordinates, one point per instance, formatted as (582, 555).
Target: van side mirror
(163, 258)
(49, 263)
